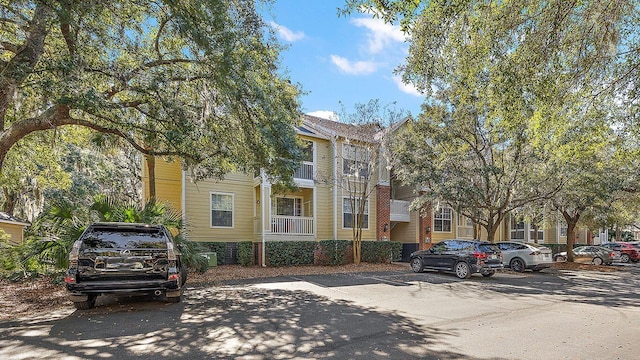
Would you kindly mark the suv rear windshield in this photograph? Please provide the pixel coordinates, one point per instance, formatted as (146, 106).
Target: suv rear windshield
(125, 238)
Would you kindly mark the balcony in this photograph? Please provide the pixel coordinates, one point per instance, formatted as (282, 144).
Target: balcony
(400, 211)
(291, 225)
(305, 171)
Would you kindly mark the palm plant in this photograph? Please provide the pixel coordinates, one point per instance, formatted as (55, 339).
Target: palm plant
(62, 223)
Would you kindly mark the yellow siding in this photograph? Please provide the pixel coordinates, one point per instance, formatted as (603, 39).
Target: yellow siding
(198, 212)
(324, 213)
(406, 232)
(14, 231)
(168, 182)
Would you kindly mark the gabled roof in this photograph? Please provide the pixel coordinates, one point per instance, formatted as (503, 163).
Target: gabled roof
(6, 218)
(365, 132)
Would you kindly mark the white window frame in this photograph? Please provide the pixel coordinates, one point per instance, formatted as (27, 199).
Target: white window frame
(517, 229)
(440, 215)
(366, 212)
(347, 155)
(532, 232)
(562, 228)
(233, 217)
(466, 224)
(274, 205)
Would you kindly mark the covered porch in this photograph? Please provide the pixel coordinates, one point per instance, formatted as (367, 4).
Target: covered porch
(289, 216)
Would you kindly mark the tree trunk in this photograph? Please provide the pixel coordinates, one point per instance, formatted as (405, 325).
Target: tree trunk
(571, 228)
(10, 199)
(151, 169)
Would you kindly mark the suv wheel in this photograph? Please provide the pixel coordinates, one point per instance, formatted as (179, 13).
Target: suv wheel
(462, 270)
(86, 305)
(624, 258)
(517, 265)
(416, 265)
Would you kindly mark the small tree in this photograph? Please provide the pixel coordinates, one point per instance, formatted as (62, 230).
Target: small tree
(359, 151)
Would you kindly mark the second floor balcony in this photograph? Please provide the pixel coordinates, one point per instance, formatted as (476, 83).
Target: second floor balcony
(305, 171)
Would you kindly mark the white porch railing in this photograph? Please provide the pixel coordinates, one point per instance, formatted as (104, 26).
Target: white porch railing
(399, 211)
(305, 171)
(292, 225)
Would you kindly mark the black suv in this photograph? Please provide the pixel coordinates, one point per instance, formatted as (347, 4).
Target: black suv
(462, 257)
(117, 258)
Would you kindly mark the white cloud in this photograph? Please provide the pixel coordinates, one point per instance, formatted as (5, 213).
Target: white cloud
(406, 88)
(286, 33)
(354, 68)
(381, 35)
(325, 114)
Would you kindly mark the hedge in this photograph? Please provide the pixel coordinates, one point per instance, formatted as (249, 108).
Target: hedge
(245, 253)
(287, 253)
(333, 252)
(381, 251)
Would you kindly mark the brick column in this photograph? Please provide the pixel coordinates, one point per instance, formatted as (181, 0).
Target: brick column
(383, 211)
(424, 223)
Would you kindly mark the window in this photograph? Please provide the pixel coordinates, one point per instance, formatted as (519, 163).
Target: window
(465, 227)
(355, 161)
(307, 151)
(563, 228)
(287, 206)
(221, 210)
(442, 220)
(517, 229)
(532, 234)
(348, 216)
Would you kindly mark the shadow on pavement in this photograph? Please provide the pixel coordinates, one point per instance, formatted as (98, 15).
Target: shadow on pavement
(226, 323)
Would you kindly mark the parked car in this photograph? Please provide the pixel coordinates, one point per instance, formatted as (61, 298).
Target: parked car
(520, 256)
(118, 258)
(628, 252)
(595, 255)
(462, 257)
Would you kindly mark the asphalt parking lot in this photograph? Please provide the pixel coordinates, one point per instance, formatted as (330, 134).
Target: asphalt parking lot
(390, 315)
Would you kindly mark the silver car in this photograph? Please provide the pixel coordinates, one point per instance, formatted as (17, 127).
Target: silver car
(596, 255)
(520, 256)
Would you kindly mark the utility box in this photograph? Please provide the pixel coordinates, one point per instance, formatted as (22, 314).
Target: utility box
(212, 258)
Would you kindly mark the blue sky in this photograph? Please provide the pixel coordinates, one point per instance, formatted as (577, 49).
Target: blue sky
(348, 59)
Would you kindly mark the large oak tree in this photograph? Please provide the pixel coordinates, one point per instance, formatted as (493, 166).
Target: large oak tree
(195, 79)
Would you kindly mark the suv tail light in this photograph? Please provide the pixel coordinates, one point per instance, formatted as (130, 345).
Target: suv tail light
(70, 279)
(480, 255)
(75, 252)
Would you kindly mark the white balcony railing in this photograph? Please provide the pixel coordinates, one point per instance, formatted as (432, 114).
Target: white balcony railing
(399, 211)
(305, 171)
(292, 225)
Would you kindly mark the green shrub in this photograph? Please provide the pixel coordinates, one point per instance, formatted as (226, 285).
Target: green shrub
(191, 254)
(287, 253)
(381, 251)
(245, 253)
(333, 252)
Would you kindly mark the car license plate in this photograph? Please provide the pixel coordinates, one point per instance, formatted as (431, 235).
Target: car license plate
(493, 257)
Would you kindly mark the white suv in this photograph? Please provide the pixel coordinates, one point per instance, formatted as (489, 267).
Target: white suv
(520, 256)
